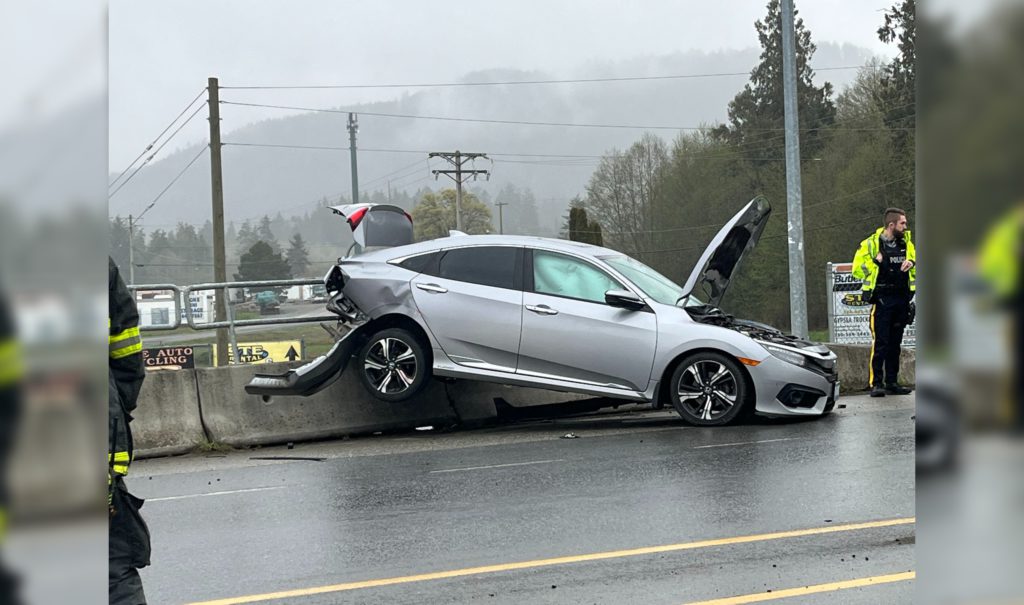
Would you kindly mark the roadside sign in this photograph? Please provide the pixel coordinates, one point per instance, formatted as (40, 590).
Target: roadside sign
(169, 358)
(849, 315)
(266, 352)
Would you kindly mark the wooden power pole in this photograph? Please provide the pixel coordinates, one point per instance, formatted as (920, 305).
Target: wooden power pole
(459, 175)
(217, 192)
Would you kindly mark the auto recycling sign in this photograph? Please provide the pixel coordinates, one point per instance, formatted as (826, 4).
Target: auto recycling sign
(849, 315)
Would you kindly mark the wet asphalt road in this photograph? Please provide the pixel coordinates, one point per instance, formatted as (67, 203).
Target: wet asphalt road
(397, 506)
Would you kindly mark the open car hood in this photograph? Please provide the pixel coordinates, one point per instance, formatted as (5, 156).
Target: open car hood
(717, 264)
(377, 225)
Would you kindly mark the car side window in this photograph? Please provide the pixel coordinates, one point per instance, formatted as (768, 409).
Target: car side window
(562, 275)
(494, 266)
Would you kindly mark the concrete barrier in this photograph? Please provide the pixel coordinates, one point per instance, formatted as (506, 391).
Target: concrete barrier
(853, 363)
(167, 419)
(233, 417)
(177, 410)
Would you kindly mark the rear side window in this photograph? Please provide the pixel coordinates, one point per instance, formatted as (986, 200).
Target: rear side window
(487, 266)
(419, 264)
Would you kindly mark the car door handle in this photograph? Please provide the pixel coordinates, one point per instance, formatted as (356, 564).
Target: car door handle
(541, 309)
(436, 289)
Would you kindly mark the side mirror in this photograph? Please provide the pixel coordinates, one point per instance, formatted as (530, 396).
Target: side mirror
(624, 299)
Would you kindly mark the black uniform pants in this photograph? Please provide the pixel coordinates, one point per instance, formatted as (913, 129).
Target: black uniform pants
(129, 548)
(888, 321)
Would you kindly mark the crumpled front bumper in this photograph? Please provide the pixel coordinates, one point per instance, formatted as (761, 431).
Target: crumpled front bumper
(312, 377)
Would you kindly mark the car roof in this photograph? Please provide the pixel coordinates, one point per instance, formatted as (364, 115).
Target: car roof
(557, 245)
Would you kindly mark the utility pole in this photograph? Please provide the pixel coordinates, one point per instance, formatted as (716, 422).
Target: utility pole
(794, 197)
(501, 218)
(353, 128)
(220, 273)
(131, 250)
(459, 175)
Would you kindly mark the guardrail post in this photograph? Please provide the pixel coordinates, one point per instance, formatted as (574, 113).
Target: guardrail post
(232, 337)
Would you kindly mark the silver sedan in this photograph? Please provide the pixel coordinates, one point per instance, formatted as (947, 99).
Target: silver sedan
(565, 316)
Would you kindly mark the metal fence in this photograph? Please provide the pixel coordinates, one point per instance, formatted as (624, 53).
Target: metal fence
(182, 295)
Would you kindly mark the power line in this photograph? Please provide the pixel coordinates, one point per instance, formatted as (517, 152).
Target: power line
(153, 155)
(567, 157)
(513, 82)
(162, 133)
(856, 193)
(173, 181)
(393, 172)
(517, 122)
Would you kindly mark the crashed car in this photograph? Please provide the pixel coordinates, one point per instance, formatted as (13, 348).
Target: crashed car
(558, 315)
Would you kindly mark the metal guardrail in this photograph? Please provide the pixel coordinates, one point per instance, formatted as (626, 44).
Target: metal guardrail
(226, 287)
(176, 321)
(184, 294)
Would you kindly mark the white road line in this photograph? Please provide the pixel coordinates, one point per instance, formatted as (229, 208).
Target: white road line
(477, 468)
(234, 491)
(701, 447)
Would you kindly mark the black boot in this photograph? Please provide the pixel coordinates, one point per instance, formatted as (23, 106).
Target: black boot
(895, 389)
(877, 391)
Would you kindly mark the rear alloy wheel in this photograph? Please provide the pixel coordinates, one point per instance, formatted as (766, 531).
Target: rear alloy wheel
(393, 365)
(709, 389)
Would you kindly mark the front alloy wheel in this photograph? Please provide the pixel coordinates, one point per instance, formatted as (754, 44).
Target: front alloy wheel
(708, 389)
(393, 365)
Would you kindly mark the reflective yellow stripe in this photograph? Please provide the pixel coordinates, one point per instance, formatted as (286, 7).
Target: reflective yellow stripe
(125, 334)
(3, 523)
(120, 461)
(11, 366)
(871, 358)
(127, 342)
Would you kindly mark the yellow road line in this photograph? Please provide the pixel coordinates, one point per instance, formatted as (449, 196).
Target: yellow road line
(472, 571)
(807, 590)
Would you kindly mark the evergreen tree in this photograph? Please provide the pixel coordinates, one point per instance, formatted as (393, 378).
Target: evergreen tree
(899, 83)
(246, 237)
(119, 242)
(298, 255)
(265, 233)
(757, 113)
(575, 202)
(261, 263)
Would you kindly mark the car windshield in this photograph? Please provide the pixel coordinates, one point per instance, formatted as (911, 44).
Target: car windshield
(654, 284)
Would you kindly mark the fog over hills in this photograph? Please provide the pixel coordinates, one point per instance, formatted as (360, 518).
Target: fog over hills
(268, 180)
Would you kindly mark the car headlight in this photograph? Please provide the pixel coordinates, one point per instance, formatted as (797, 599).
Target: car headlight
(792, 357)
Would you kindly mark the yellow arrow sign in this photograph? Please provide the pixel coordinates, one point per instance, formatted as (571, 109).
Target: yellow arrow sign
(265, 352)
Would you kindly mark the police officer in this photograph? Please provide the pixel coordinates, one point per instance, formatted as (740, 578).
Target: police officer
(887, 265)
(10, 406)
(128, 534)
(999, 263)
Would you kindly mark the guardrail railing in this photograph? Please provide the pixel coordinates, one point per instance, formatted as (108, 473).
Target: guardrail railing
(182, 296)
(175, 321)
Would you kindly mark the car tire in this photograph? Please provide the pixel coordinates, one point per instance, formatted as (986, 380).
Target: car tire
(709, 389)
(393, 365)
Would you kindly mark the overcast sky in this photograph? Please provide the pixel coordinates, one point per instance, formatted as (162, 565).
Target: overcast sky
(162, 52)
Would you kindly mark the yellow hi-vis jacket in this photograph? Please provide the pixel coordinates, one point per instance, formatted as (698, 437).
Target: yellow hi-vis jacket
(997, 261)
(866, 269)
